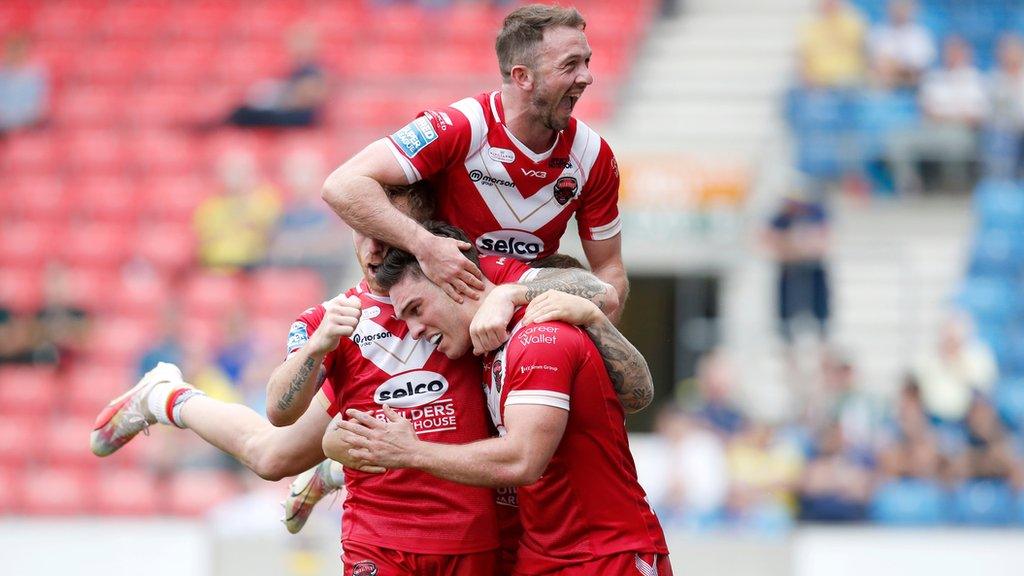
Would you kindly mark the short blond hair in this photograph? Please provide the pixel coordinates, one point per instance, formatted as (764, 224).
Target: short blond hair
(523, 30)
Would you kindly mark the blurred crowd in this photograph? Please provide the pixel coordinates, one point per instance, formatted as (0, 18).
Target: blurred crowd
(910, 96)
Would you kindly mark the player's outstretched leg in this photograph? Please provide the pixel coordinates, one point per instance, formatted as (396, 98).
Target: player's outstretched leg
(155, 399)
(309, 488)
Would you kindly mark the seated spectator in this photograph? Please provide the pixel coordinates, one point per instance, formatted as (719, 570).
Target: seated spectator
(15, 337)
(901, 49)
(836, 483)
(308, 233)
(955, 370)
(236, 350)
(292, 101)
(715, 404)
(954, 102)
(169, 345)
(696, 470)
(234, 227)
(764, 472)
(911, 447)
(797, 237)
(832, 47)
(988, 452)
(61, 327)
(847, 405)
(24, 86)
(1005, 122)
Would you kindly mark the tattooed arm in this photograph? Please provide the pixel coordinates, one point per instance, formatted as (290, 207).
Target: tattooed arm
(626, 367)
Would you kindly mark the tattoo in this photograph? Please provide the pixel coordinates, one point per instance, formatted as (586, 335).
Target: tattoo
(626, 367)
(571, 281)
(300, 379)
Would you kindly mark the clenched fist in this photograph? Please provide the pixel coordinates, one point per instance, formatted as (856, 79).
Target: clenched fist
(341, 315)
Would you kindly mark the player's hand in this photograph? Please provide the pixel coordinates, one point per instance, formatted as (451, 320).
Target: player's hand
(337, 443)
(446, 265)
(341, 315)
(489, 328)
(388, 444)
(571, 309)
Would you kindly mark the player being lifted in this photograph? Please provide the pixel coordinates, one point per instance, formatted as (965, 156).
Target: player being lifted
(562, 438)
(509, 167)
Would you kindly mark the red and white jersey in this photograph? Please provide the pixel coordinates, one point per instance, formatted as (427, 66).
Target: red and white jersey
(588, 503)
(381, 363)
(510, 200)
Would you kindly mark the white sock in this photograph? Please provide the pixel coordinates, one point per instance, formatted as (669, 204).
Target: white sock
(335, 474)
(156, 401)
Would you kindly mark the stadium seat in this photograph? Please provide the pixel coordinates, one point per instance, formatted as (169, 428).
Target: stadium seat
(10, 494)
(93, 287)
(132, 492)
(285, 291)
(119, 340)
(999, 204)
(173, 198)
(211, 294)
(22, 289)
(19, 439)
(111, 198)
(27, 390)
(66, 442)
(57, 491)
(97, 244)
(68, 19)
(38, 197)
(989, 298)
(96, 152)
(984, 503)
(195, 492)
(90, 107)
(35, 152)
(170, 247)
(997, 252)
(142, 294)
(91, 386)
(909, 503)
(165, 152)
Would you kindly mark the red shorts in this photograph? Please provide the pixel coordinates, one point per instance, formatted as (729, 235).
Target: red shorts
(625, 564)
(368, 560)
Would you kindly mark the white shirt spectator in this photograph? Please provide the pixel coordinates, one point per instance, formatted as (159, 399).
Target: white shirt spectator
(956, 95)
(908, 45)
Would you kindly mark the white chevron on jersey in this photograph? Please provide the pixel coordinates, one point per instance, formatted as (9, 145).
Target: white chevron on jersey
(391, 354)
(647, 569)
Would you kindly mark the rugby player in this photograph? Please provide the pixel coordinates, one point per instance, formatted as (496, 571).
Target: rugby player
(509, 167)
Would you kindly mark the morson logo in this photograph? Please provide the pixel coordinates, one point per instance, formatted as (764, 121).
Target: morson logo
(518, 244)
(478, 176)
(411, 389)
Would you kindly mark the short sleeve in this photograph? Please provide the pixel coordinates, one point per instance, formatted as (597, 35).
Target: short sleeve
(303, 326)
(542, 363)
(432, 142)
(598, 214)
(505, 270)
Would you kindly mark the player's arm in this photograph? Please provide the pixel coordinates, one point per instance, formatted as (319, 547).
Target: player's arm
(605, 258)
(516, 459)
(355, 191)
(336, 448)
(293, 383)
(626, 366)
(489, 328)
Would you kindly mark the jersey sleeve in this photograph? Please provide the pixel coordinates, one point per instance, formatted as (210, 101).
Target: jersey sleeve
(505, 270)
(598, 214)
(432, 142)
(303, 327)
(542, 363)
(331, 393)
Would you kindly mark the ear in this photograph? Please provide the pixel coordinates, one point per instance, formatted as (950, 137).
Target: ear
(522, 77)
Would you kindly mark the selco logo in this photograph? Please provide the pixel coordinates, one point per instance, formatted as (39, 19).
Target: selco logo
(515, 243)
(411, 389)
(364, 339)
(478, 176)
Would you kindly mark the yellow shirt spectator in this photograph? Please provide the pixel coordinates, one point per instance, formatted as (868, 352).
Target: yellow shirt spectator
(234, 230)
(832, 47)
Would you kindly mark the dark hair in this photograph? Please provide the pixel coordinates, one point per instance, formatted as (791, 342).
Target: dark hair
(561, 261)
(397, 263)
(419, 195)
(523, 30)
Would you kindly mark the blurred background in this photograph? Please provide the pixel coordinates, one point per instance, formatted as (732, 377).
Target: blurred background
(823, 223)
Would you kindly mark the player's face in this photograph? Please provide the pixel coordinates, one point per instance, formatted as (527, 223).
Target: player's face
(370, 252)
(562, 74)
(432, 315)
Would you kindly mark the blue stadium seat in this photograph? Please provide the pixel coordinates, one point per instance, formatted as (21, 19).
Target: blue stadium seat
(1009, 401)
(989, 298)
(816, 110)
(983, 503)
(909, 503)
(821, 155)
(878, 113)
(999, 203)
(998, 252)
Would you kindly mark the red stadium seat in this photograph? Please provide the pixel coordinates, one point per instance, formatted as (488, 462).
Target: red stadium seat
(38, 197)
(27, 390)
(201, 20)
(28, 243)
(130, 21)
(165, 152)
(111, 198)
(67, 19)
(10, 489)
(114, 62)
(285, 292)
(163, 106)
(119, 340)
(57, 491)
(66, 442)
(204, 331)
(90, 387)
(128, 492)
(19, 439)
(97, 244)
(89, 108)
(195, 492)
(22, 289)
(169, 246)
(183, 63)
(32, 152)
(174, 198)
(209, 294)
(93, 288)
(96, 151)
(143, 295)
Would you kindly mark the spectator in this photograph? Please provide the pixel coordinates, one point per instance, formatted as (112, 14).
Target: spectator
(959, 366)
(1005, 122)
(697, 475)
(988, 453)
(954, 102)
(832, 47)
(836, 483)
(901, 49)
(15, 339)
(234, 226)
(236, 351)
(24, 86)
(846, 405)
(169, 347)
(764, 473)
(911, 448)
(797, 237)
(308, 234)
(716, 406)
(61, 327)
(292, 101)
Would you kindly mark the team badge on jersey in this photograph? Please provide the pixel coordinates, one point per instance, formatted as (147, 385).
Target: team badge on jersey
(565, 189)
(415, 136)
(364, 568)
(496, 374)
